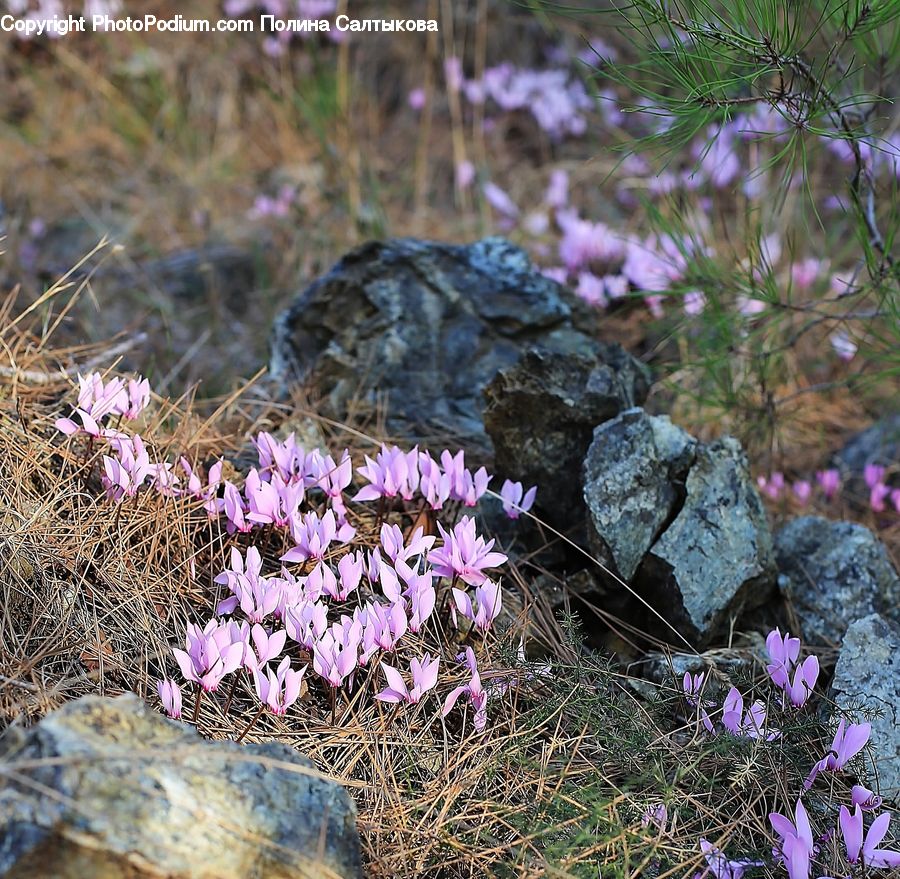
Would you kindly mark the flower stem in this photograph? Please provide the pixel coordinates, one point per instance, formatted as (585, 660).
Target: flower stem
(197, 704)
(250, 725)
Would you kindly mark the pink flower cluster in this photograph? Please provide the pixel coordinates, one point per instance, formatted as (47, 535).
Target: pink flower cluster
(98, 400)
(797, 848)
(828, 482)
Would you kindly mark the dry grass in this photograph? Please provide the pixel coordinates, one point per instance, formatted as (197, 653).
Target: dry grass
(94, 596)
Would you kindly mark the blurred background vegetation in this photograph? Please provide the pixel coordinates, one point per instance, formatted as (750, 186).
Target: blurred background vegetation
(730, 184)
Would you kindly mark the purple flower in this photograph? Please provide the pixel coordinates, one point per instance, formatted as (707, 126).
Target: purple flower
(278, 690)
(694, 303)
(424, 673)
(500, 201)
(557, 195)
(693, 687)
(170, 696)
(796, 847)
(656, 814)
(805, 677)
(416, 99)
(257, 596)
(232, 504)
(878, 495)
(856, 844)
(783, 651)
(843, 345)
(483, 611)
(210, 654)
(334, 654)
(829, 481)
(350, 571)
(394, 546)
(751, 724)
(865, 799)
(306, 622)
(392, 472)
(435, 484)
(465, 174)
(275, 502)
(312, 535)
(803, 491)
(873, 474)
(514, 500)
(772, 486)
(464, 554)
(720, 866)
(125, 475)
(473, 689)
(263, 647)
(848, 742)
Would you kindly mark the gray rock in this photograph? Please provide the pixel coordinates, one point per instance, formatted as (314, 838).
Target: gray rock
(110, 789)
(834, 573)
(421, 327)
(878, 444)
(867, 678)
(634, 476)
(540, 414)
(715, 559)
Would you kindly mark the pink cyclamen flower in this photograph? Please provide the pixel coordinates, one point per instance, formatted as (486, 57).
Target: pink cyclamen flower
(424, 673)
(306, 622)
(500, 201)
(334, 658)
(464, 554)
(465, 174)
(256, 596)
(435, 485)
(802, 491)
(232, 504)
(278, 690)
(484, 609)
(864, 798)
(515, 500)
(797, 845)
(263, 647)
(312, 535)
(416, 99)
(276, 502)
(783, 652)
(873, 474)
(877, 497)
(843, 345)
(694, 303)
(392, 473)
(749, 724)
(474, 690)
(692, 685)
(210, 655)
(848, 742)
(720, 866)
(805, 677)
(656, 814)
(772, 486)
(557, 195)
(136, 398)
(866, 846)
(170, 696)
(395, 547)
(829, 481)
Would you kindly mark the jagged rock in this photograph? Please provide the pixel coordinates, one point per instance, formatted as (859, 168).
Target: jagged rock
(634, 476)
(715, 559)
(541, 412)
(834, 573)
(108, 788)
(421, 327)
(867, 678)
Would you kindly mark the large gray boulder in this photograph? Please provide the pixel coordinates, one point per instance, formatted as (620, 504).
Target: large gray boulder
(540, 414)
(834, 573)
(867, 679)
(108, 788)
(634, 475)
(715, 559)
(420, 328)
